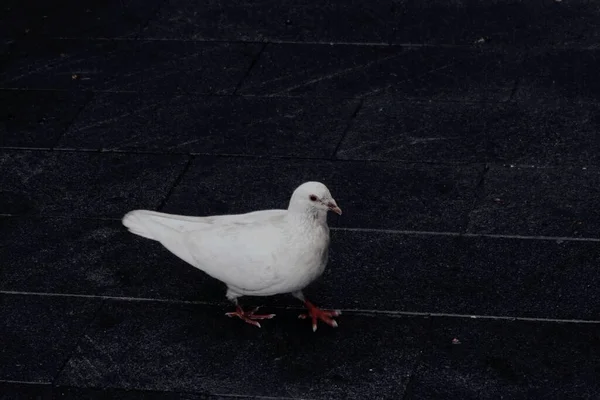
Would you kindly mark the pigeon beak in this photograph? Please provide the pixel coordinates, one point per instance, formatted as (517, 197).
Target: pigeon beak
(333, 207)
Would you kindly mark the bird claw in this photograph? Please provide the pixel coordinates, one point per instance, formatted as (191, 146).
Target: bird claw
(316, 313)
(249, 316)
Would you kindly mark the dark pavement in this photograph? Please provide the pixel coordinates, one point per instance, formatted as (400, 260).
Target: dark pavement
(461, 139)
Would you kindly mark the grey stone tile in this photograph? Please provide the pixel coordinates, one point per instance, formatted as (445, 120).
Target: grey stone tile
(541, 133)
(269, 20)
(16, 21)
(211, 125)
(516, 360)
(25, 391)
(39, 334)
(78, 256)
(84, 184)
(458, 22)
(6, 45)
(37, 118)
(435, 73)
(552, 74)
(544, 134)
(522, 278)
(560, 24)
(91, 257)
(129, 65)
(470, 276)
(196, 349)
(392, 129)
(402, 21)
(538, 201)
(108, 19)
(534, 23)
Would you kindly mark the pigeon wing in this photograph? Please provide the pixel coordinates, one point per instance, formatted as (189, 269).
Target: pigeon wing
(244, 254)
(184, 223)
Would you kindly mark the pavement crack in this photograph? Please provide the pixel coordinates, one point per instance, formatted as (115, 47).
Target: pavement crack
(175, 183)
(514, 89)
(348, 126)
(69, 125)
(84, 333)
(337, 73)
(477, 196)
(408, 390)
(250, 68)
(153, 15)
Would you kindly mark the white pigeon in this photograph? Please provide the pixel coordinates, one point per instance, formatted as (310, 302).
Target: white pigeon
(261, 253)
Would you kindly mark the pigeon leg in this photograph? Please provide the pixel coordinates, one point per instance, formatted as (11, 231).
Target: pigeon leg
(315, 313)
(249, 316)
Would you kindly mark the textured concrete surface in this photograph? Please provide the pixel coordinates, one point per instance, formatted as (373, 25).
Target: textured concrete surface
(460, 139)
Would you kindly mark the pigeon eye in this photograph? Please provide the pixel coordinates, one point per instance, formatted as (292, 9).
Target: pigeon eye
(312, 197)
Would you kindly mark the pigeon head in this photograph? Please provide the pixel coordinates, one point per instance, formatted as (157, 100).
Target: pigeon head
(313, 197)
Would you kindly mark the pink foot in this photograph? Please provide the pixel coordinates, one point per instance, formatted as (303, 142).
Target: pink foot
(249, 316)
(316, 313)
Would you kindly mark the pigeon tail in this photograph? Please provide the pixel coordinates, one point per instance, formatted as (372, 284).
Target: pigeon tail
(155, 226)
(145, 224)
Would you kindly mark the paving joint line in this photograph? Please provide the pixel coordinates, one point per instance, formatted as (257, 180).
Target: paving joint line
(229, 155)
(558, 239)
(256, 397)
(290, 157)
(123, 389)
(474, 235)
(33, 383)
(206, 94)
(498, 47)
(355, 311)
(402, 100)
(203, 394)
